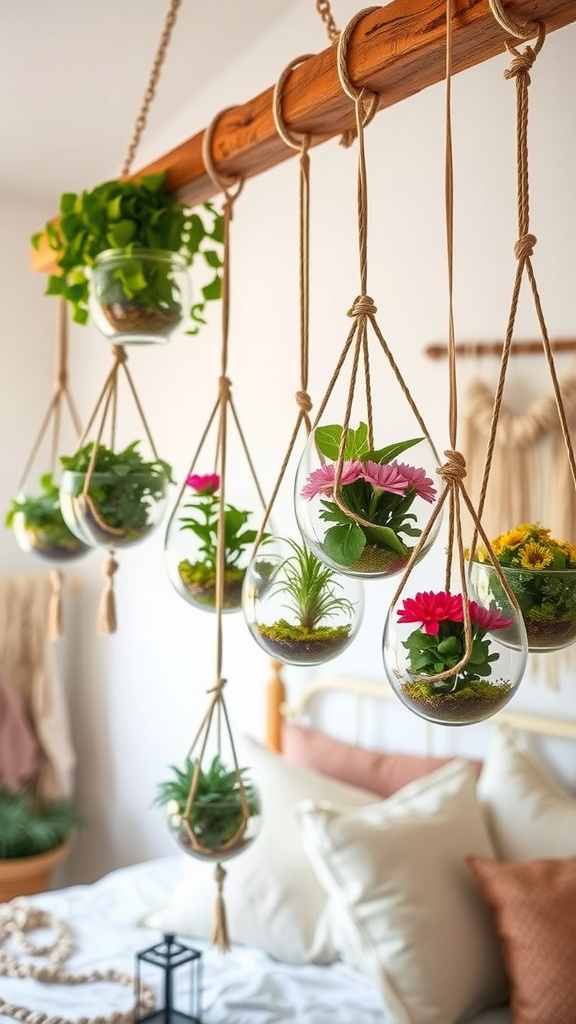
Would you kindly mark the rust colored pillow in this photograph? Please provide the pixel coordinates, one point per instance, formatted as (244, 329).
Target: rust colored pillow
(534, 905)
(383, 774)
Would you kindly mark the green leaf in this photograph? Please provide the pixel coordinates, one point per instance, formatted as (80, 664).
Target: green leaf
(213, 290)
(36, 239)
(383, 535)
(327, 440)
(122, 233)
(212, 258)
(55, 285)
(392, 451)
(344, 544)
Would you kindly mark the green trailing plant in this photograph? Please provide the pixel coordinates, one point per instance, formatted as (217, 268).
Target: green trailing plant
(40, 516)
(216, 813)
(132, 216)
(27, 829)
(123, 484)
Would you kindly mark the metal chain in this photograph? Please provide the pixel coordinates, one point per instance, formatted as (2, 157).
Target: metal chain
(151, 87)
(323, 8)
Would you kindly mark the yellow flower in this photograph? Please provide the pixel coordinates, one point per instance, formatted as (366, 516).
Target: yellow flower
(516, 536)
(535, 556)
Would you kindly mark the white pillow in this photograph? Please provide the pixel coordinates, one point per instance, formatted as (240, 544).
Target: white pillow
(530, 814)
(405, 907)
(273, 900)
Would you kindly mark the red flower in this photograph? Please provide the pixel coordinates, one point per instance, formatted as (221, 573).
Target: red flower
(486, 619)
(204, 483)
(430, 609)
(416, 477)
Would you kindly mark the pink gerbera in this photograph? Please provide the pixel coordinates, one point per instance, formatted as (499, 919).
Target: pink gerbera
(384, 477)
(416, 477)
(321, 481)
(486, 619)
(430, 609)
(203, 483)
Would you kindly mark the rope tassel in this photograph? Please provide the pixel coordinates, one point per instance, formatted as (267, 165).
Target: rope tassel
(219, 936)
(107, 611)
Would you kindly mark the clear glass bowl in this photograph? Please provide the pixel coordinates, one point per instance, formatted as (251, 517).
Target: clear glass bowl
(139, 298)
(298, 609)
(215, 832)
(52, 542)
(117, 512)
(547, 600)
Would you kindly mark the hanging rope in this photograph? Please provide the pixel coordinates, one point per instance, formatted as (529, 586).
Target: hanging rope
(19, 917)
(151, 87)
(325, 12)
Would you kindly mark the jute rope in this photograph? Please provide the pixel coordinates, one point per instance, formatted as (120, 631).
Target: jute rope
(325, 12)
(150, 92)
(52, 423)
(104, 414)
(522, 62)
(19, 917)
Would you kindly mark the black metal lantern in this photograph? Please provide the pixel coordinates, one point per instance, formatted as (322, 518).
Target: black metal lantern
(169, 955)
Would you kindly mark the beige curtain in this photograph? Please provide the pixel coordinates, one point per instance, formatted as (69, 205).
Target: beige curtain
(27, 662)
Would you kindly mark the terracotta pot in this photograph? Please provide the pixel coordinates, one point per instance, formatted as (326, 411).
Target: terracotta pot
(24, 876)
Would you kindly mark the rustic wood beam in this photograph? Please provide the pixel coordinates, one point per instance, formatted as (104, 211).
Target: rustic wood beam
(395, 51)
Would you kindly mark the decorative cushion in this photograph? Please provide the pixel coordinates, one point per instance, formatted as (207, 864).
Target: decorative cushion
(379, 773)
(534, 905)
(530, 813)
(404, 907)
(273, 900)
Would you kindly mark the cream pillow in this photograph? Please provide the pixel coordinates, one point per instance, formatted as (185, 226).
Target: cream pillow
(530, 814)
(404, 907)
(273, 900)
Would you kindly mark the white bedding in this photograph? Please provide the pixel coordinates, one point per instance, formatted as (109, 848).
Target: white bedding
(241, 987)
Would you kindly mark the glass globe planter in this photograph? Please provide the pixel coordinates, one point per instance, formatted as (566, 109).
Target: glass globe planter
(547, 600)
(139, 297)
(424, 636)
(117, 512)
(191, 549)
(394, 498)
(298, 609)
(52, 541)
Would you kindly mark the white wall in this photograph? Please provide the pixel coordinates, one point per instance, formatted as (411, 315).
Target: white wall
(136, 697)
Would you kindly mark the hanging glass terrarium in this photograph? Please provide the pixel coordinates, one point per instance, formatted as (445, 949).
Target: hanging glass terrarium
(39, 526)
(140, 296)
(298, 609)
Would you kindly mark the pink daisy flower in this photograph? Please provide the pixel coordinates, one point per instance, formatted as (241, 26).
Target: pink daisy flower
(203, 483)
(321, 481)
(430, 609)
(486, 619)
(416, 477)
(384, 477)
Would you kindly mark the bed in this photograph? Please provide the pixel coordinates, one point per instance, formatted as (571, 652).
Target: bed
(348, 911)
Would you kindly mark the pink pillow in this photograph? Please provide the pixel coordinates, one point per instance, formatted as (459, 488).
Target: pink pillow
(383, 774)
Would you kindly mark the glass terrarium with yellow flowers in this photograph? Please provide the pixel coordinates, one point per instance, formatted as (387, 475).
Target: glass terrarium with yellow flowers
(541, 573)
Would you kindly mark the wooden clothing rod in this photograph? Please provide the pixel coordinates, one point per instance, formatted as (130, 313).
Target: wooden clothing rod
(395, 51)
(495, 348)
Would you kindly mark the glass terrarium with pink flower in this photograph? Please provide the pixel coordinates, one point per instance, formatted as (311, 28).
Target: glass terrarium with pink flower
(191, 547)
(449, 659)
(362, 509)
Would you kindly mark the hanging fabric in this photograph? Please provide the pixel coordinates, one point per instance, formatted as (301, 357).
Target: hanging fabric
(450, 659)
(297, 608)
(37, 521)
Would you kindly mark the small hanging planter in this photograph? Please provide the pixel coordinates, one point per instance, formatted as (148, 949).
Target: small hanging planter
(112, 499)
(39, 526)
(541, 573)
(223, 818)
(298, 609)
(425, 658)
(192, 545)
(358, 506)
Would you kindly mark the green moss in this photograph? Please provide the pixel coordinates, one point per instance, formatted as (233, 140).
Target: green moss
(297, 644)
(378, 559)
(199, 580)
(477, 699)
(283, 630)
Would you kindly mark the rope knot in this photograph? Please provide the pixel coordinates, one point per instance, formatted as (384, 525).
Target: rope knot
(304, 401)
(521, 64)
(363, 306)
(120, 354)
(110, 567)
(225, 385)
(218, 687)
(454, 469)
(524, 247)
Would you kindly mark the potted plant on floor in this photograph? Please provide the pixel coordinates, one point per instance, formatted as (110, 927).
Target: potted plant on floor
(39, 526)
(369, 530)
(123, 250)
(33, 838)
(541, 573)
(215, 826)
(298, 609)
(125, 498)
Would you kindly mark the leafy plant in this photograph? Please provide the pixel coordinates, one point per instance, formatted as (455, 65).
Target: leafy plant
(41, 514)
(374, 486)
(27, 829)
(310, 588)
(123, 483)
(131, 216)
(216, 813)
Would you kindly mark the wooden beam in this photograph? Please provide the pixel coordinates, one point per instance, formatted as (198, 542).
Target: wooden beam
(395, 51)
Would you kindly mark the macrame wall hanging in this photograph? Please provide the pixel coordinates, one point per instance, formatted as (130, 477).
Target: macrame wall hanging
(465, 658)
(298, 609)
(36, 518)
(213, 807)
(539, 568)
